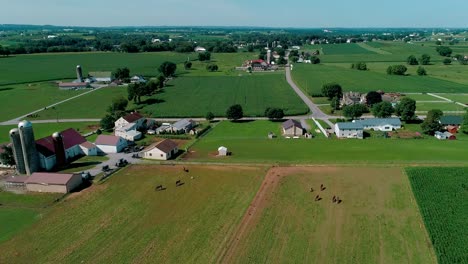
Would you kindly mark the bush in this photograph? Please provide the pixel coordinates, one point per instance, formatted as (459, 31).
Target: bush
(412, 60)
(204, 56)
(421, 71)
(444, 51)
(361, 66)
(396, 70)
(447, 61)
(234, 112)
(212, 67)
(274, 113)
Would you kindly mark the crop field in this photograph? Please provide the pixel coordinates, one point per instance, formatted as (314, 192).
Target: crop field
(344, 49)
(18, 211)
(44, 130)
(227, 62)
(312, 77)
(20, 99)
(444, 106)
(249, 143)
(44, 67)
(461, 98)
(442, 195)
(376, 222)
(423, 97)
(126, 220)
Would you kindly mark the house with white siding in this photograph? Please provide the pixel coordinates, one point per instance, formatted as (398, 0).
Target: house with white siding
(163, 150)
(349, 130)
(110, 144)
(380, 124)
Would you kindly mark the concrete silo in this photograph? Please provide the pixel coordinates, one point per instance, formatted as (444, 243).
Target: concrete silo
(17, 151)
(269, 57)
(79, 73)
(59, 150)
(28, 145)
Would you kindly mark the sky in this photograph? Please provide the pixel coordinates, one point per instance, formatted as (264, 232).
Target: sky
(262, 13)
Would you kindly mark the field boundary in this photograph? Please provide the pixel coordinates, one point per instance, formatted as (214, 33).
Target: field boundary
(376, 50)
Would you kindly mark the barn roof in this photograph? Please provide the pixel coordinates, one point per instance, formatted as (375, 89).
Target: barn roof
(71, 138)
(290, 123)
(132, 117)
(107, 140)
(350, 126)
(165, 146)
(451, 120)
(47, 178)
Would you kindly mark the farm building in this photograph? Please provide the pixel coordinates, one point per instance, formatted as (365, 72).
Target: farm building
(350, 98)
(89, 149)
(181, 126)
(102, 77)
(163, 150)
(380, 124)
(137, 79)
(59, 149)
(127, 126)
(73, 85)
(222, 151)
(292, 128)
(200, 49)
(444, 135)
(110, 144)
(452, 129)
(349, 130)
(451, 121)
(52, 182)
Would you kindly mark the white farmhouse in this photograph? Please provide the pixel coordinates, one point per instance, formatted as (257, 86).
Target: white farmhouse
(127, 126)
(349, 130)
(380, 124)
(163, 150)
(110, 144)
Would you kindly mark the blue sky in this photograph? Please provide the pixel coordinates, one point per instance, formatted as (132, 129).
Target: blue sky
(272, 13)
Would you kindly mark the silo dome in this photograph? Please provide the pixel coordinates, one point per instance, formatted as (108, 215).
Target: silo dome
(14, 131)
(56, 135)
(24, 123)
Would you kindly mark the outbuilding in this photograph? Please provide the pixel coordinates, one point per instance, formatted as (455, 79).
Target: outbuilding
(53, 182)
(292, 128)
(89, 149)
(222, 151)
(110, 144)
(444, 135)
(163, 150)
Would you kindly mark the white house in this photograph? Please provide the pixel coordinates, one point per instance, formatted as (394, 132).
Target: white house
(127, 126)
(110, 144)
(134, 117)
(163, 150)
(89, 149)
(380, 124)
(349, 130)
(137, 79)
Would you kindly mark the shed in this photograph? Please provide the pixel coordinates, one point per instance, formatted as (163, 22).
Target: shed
(163, 150)
(222, 151)
(292, 128)
(444, 135)
(53, 182)
(110, 144)
(89, 149)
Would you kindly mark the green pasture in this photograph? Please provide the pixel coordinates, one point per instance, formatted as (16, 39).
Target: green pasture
(126, 220)
(227, 63)
(312, 77)
(249, 143)
(461, 98)
(444, 106)
(423, 97)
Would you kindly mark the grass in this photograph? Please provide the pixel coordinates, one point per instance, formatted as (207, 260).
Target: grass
(461, 98)
(344, 49)
(84, 163)
(377, 222)
(249, 143)
(227, 62)
(311, 78)
(423, 97)
(444, 106)
(193, 97)
(18, 100)
(125, 220)
(442, 197)
(44, 130)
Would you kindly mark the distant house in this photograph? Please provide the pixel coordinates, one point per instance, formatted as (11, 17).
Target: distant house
(110, 144)
(53, 182)
(380, 124)
(73, 85)
(451, 121)
(200, 49)
(137, 79)
(444, 135)
(134, 117)
(296, 47)
(127, 126)
(181, 126)
(349, 130)
(351, 98)
(222, 151)
(102, 77)
(292, 128)
(163, 150)
(89, 149)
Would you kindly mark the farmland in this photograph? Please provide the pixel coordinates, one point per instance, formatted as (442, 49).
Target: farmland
(444, 106)
(125, 220)
(249, 143)
(377, 222)
(443, 201)
(194, 97)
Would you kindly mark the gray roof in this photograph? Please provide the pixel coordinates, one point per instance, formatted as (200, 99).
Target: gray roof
(349, 126)
(182, 124)
(451, 120)
(379, 121)
(290, 123)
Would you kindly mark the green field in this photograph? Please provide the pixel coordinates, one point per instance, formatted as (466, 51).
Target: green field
(377, 222)
(424, 97)
(126, 220)
(442, 195)
(444, 106)
(194, 97)
(312, 77)
(249, 143)
(461, 98)
(344, 49)
(44, 130)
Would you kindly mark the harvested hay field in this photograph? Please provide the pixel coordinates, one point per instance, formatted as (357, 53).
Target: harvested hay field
(125, 220)
(376, 222)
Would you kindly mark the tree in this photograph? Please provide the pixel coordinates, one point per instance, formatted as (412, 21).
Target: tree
(282, 61)
(107, 122)
(444, 51)
(136, 90)
(234, 112)
(361, 66)
(250, 48)
(315, 60)
(6, 157)
(447, 61)
(373, 97)
(421, 71)
(274, 113)
(431, 124)
(167, 68)
(212, 67)
(335, 103)
(209, 116)
(396, 70)
(332, 90)
(121, 73)
(464, 126)
(118, 104)
(354, 111)
(382, 110)
(406, 109)
(425, 59)
(188, 65)
(412, 60)
(204, 56)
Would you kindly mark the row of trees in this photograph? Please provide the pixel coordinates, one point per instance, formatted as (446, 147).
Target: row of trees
(425, 59)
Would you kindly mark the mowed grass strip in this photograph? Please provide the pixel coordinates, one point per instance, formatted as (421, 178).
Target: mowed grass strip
(377, 221)
(249, 143)
(311, 78)
(442, 195)
(126, 220)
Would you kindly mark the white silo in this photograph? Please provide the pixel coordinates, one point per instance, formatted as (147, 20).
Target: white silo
(17, 151)
(28, 145)
(269, 56)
